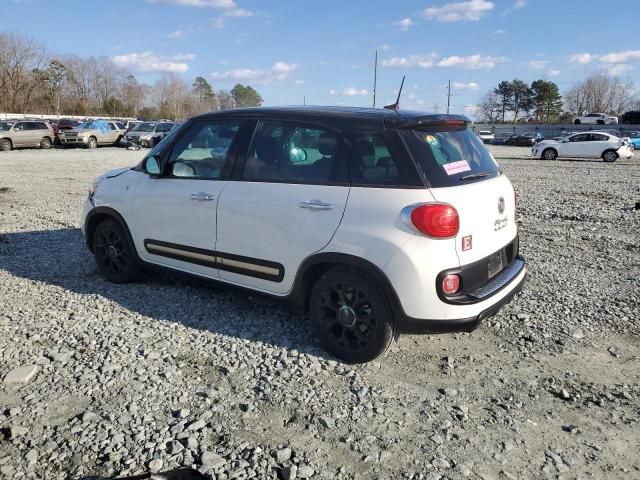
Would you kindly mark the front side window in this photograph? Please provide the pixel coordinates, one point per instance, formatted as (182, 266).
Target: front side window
(290, 153)
(20, 126)
(583, 137)
(203, 151)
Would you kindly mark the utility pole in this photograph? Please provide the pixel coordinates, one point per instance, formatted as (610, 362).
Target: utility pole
(448, 96)
(304, 100)
(436, 107)
(375, 78)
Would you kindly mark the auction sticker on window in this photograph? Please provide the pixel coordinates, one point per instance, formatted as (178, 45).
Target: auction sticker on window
(456, 167)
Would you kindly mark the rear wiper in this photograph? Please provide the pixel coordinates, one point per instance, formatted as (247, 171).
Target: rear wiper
(474, 176)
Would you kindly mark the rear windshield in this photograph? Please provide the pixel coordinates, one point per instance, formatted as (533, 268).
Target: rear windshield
(450, 156)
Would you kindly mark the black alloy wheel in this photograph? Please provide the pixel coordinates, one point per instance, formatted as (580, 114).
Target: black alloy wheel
(114, 255)
(351, 316)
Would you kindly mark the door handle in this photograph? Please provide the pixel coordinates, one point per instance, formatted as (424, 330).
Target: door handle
(202, 196)
(316, 205)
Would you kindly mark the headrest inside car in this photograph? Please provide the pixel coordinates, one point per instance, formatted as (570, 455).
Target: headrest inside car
(327, 144)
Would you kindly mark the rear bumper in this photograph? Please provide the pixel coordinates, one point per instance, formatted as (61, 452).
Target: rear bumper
(431, 326)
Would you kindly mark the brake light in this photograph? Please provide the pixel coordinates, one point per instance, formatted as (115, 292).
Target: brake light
(451, 284)
(437, 220)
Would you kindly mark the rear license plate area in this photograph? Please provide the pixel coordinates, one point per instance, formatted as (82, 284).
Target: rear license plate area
(496, 263)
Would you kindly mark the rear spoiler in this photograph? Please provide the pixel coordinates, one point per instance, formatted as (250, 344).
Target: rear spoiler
(429, 121)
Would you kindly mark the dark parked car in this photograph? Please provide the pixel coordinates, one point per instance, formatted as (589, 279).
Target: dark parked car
(526, 139)
(630, 117)
(501, 139)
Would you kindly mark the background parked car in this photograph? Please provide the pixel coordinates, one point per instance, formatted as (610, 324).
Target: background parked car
(501, 138)
(525, 139)
(634, 140)
(630, 117)
(25, 133)
(92, 133)
(596, 118)
(486, 136)
(147, 134)
(583, 145)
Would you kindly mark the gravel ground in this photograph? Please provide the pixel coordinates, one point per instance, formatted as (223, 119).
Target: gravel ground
(122, 379)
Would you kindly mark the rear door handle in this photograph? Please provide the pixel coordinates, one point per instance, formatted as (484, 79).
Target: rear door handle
(202, 196)
(316, 205)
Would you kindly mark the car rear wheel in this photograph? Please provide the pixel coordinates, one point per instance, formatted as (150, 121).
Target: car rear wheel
(115, 257)
(92, 143)
(600, 122)
(609, 156)
(45, 143)
(550, 154)
(5, 145)
(576, 122)
(351, 316)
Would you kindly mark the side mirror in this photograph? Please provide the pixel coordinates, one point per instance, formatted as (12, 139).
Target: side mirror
(152, 166)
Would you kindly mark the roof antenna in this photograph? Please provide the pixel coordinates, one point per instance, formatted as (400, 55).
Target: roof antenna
(396, 106)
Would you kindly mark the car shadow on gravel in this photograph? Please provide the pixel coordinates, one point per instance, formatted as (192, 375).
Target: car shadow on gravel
(60, 258)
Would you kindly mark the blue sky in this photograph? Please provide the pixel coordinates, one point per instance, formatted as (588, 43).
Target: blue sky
(324, 49)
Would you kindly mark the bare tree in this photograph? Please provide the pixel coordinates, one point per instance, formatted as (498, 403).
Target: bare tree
(600, 92)
(20, 57)
(490, 107)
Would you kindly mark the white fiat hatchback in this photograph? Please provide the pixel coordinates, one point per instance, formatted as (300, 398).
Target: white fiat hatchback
(375, 222)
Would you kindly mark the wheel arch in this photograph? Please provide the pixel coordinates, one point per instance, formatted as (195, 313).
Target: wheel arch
(98, 215)
(314, 266)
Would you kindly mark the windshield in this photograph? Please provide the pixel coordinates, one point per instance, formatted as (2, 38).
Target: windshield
(4, 126)
(144, 127)
(449, 156)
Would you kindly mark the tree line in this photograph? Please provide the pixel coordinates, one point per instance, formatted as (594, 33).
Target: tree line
(34, 81)
(541, 101)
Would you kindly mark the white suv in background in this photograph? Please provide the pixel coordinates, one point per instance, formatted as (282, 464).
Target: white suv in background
(584, 145)
(376, 222)
(596, 118)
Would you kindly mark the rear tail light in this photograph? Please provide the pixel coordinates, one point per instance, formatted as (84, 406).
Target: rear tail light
(451, 284)
(437, 220)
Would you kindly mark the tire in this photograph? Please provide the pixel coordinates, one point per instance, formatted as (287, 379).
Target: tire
(115, 257)
(92, 143)
(549, 154)
(627, 122)
(5, 145)
(609, 156)
(351, 315)
(45, 143)
(577, 122)
(600, 122)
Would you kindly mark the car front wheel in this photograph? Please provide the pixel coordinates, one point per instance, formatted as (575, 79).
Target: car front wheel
(92, 143)
(5, 145)
(45, 143)
(351, 316)
(115, 257)
(549, 154)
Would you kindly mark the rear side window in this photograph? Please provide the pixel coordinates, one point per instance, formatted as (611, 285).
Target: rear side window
(375, 161)
(293, 153)
(598, 137)
(450, 156)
